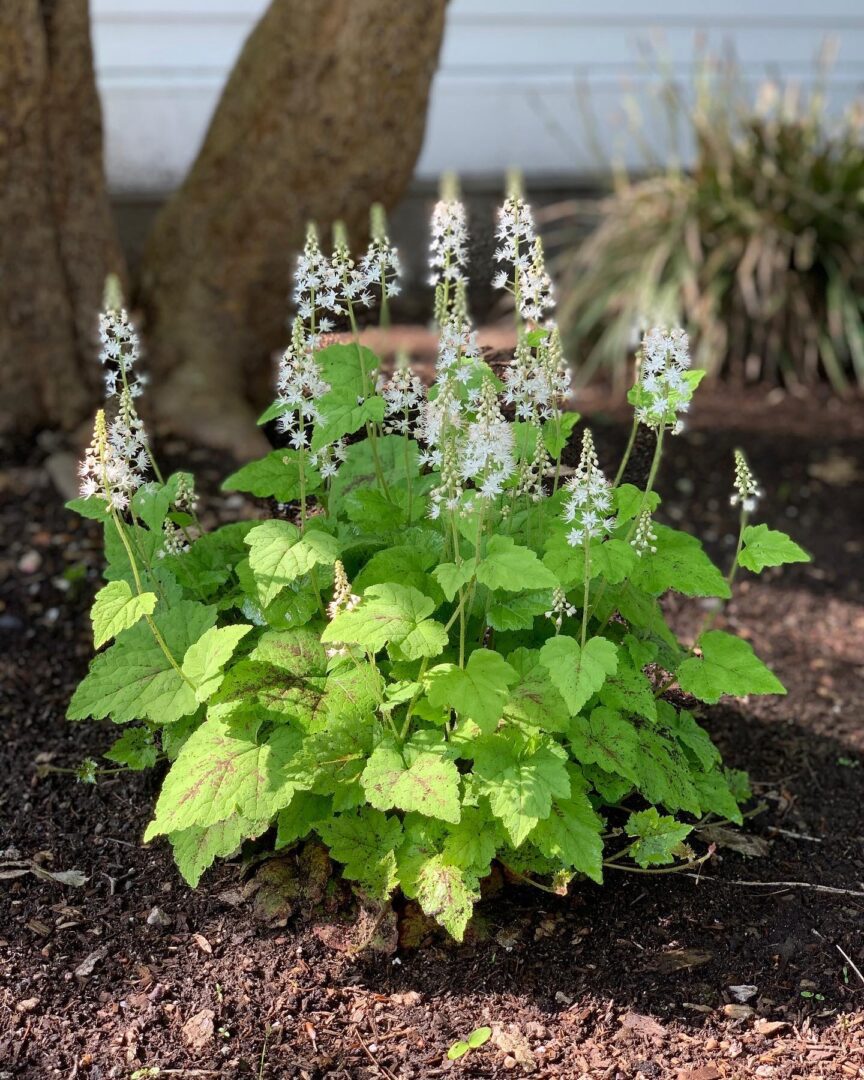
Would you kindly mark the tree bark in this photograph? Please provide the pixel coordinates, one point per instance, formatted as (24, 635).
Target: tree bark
(57, 236)
(323, 114)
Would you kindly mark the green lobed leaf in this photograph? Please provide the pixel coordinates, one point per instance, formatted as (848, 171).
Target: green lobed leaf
(305, 811)
(478, 692)
(429, 784)
(452, 578)
(222, 770)
(680, 563)
(276, 476)
(658, 837)
(133, 679)
(205, 659)
(728, 665)
(394, 615)
(197, 848)
(606, 739)
(768, 547)
(279, 554)
(571, 835)
(365, 842)
(116, 608)
(518, 611)
(135, 749)
(535, 700)
(578, 673)
(505, 565)
(520, 777)
(629, 691)
(557, 435)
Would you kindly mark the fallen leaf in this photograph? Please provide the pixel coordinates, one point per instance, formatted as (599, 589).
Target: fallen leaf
(203, 944)
(737, 1012)
(703, 1072)
(678, 960)
(636, 1024)
(736, 840)
(198, 1029)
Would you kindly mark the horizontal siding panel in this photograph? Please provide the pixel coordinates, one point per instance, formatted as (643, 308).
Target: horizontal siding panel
(214, 46)
(513, 81)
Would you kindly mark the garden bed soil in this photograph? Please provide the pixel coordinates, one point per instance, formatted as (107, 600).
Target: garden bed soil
(132, 970)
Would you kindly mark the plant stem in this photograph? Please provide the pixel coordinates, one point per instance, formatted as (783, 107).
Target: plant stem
(586, 544)
(628, 451)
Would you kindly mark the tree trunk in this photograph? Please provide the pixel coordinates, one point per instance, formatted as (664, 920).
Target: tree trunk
(323, 115)
(57, 236)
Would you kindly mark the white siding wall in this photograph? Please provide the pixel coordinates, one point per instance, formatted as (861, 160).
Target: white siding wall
(514, 76)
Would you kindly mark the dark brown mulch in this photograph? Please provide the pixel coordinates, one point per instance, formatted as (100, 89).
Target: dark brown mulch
(628, 981)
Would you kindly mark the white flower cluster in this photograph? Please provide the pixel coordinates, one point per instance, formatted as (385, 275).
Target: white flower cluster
(589, 498)
(173, 540)
(747, 491)
(328, 459)
(532, 470)
(535, 286)
(448, 248)
(299, 386)
(515, 235)
(353, 285)
(665, 358)
(119, 353)
(561, 608)
(403, 395)
(645, 539)
(316, 286)
(458, 351)
(114, 463)
(487, 452)
(538, 381)
(344, 599)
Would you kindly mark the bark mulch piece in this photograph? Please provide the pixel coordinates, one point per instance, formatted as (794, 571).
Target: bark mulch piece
(649, 977)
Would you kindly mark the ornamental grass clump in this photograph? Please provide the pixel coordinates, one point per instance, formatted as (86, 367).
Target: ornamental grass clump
(758, 248)
(448, 647)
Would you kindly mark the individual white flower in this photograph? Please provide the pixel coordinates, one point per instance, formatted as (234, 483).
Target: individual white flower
(589, 498)
(665, 357)
(747, 491)
(645, 539)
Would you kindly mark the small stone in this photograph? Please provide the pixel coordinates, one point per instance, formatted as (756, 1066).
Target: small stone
(29, 562)
(27, 1005)
(157, 917)
(744, 992)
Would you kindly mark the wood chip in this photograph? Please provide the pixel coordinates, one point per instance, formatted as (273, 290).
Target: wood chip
(203, 944)
(198, 1029)
(770, 1027)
